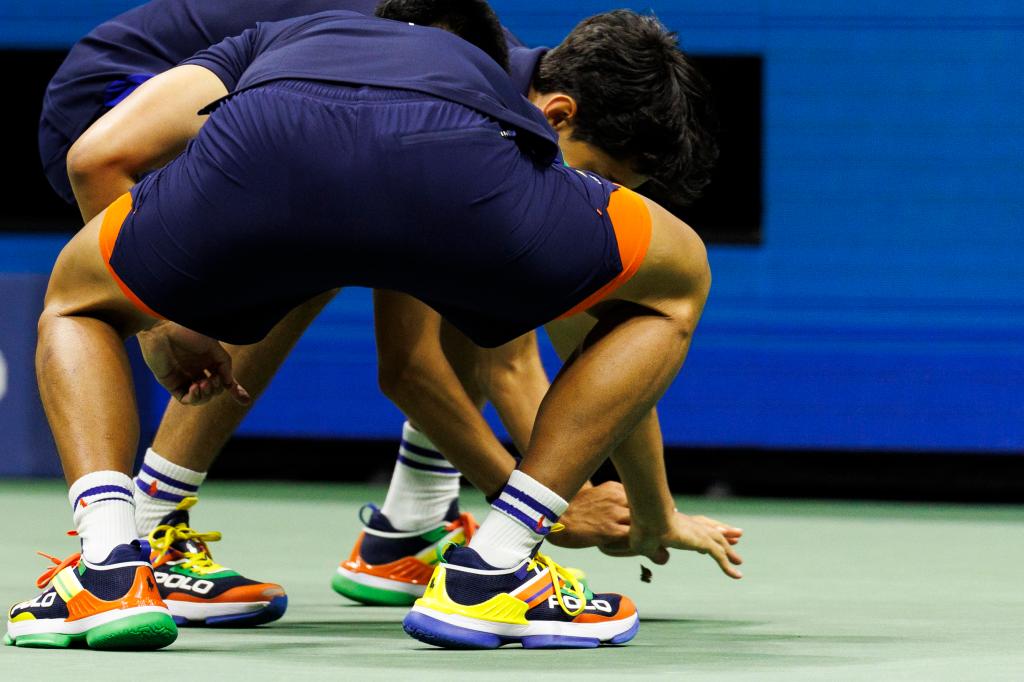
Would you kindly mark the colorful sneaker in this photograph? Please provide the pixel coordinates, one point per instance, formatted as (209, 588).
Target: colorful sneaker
(110, 605)
(471, 605)
(198, 590)
(389, 567)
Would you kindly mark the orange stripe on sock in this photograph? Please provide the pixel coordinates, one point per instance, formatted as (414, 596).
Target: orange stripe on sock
(632, 224)
(113, 220)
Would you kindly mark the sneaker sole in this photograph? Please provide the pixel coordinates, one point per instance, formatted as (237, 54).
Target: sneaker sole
(357, 587)
(139, 632)
(229, 615)
(457, 632)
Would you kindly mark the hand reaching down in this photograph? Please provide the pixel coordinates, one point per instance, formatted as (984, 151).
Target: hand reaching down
(192, 367)
(695, 533)
(596, 516)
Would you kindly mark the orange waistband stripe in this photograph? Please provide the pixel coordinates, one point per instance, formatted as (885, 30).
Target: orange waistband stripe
(113, 220)
(632, 224)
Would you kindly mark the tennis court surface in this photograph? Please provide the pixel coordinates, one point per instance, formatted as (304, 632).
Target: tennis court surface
(833, 591)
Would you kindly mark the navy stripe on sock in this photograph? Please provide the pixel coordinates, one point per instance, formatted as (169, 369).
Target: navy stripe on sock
(158, 494)
(426, 467)
(521, 517)
(420, 450)
(113, 499)
(168, 480)
(102, 489)
(529, 502)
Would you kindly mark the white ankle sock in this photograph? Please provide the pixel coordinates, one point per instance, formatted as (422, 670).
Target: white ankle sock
(104, 512)
(519, 520)
(159, 487)
(423, 484)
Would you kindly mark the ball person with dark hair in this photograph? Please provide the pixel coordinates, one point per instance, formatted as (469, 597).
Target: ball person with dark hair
(424, 172)
(190, 438)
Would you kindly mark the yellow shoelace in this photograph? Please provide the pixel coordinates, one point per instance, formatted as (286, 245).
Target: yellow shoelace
(162, 537)
(561, 575)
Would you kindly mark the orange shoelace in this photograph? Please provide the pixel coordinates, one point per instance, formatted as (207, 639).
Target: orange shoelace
(44, 579)
(469, 526)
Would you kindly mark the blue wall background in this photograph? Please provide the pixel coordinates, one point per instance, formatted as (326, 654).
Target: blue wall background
(885, 308)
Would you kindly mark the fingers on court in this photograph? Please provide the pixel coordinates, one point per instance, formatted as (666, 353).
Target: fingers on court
(719, 555)
(726, 545)
(724, 528)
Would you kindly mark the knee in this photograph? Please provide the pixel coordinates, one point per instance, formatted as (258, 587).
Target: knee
(84, 160)
(505, 369)
(398, 373)
(80, 286)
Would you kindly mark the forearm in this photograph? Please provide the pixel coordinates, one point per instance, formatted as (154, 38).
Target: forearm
(193, 437)
(142, 133)
(640, 462)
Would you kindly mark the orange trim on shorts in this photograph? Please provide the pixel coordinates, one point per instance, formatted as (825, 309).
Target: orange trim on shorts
(113, 220)
(631, 221)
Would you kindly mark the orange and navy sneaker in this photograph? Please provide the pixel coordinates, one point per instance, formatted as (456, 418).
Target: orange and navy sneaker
(538, 604)
(114, 604)
(198, 590)
(389, 567)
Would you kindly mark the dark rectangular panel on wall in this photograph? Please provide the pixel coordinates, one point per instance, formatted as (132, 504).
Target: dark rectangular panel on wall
(28, 204)
(729, 212)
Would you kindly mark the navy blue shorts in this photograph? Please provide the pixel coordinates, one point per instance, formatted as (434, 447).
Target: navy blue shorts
(298, 187)
(53, 152)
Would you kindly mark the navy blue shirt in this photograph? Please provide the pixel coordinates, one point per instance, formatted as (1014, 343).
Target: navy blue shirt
(345, 47)
(153, 38)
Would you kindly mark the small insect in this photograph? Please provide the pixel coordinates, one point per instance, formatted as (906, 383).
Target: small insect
(645, 574)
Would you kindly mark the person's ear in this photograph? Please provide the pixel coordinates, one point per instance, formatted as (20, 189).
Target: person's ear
(560, 110)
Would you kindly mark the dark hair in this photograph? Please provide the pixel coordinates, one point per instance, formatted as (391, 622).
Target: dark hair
(472, 20)
(639, 98)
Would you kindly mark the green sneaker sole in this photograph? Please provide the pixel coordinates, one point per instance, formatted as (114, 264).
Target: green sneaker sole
(373, 596)
(144, 632)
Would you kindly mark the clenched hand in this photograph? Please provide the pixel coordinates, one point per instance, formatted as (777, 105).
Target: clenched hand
(596, 516)
(192, 367)
(695, 533)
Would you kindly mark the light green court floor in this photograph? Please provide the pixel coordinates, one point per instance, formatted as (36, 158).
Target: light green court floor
(833, 591)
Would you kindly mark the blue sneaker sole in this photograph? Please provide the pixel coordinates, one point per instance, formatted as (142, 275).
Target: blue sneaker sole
(438, 633)
(271, 612)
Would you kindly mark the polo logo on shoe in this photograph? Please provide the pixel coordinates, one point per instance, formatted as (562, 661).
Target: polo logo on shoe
(40, 602)
(572, 603)
(173, 581)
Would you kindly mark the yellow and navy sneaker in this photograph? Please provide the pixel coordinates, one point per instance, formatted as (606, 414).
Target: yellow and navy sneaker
(389, 567)
(198, 590)
(110, 605)
(538, 604)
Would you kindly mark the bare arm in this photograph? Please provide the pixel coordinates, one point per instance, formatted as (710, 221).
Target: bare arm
(142, 133)
(639, 459)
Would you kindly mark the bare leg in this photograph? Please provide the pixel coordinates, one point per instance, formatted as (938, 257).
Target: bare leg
(84, 378)
(424, 383)
(510, 376)
(626, 362)
(630, 358)
(193, 437)
(417, 377)
(607, 391)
